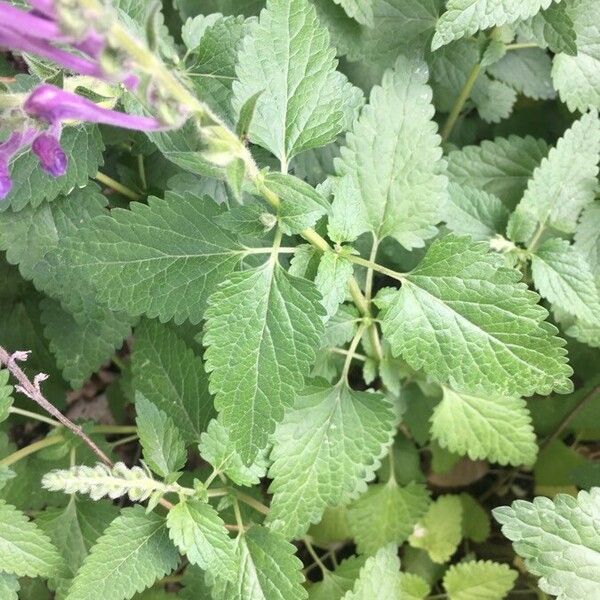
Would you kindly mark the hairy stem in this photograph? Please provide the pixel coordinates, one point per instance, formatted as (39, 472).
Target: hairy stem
(32, 415)
(315, 556)
(376, 267)
(464, 95)
(116, 186)
(15, 457)
(33, 391)
(521, 46)
(351, 350)
(250, 501)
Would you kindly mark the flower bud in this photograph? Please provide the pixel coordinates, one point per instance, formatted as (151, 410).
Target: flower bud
(52, 158)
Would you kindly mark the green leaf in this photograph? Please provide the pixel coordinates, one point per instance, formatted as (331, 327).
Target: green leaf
(484, 426)
(465, 17)
(162, 259)
(211, 64)
(474, 212)
(380, 577)
(348, 215)
(439, 532)
(82, 343)
(562, 275)
(558, 540)
(394, 136)
(359, 10)
(552, 28)
(288, 56)
(301, 205)
(9, 586)
(386, 513)
(333, 274)
(587, 236)
(527, 72)
(562, 185)
(163, 446)
(75, 528)
(501, 167)
(324, 450)
(577, 78)
(474, 580)
(25, 550)
(216, 448)
(476, 526)
(32, 186)
(262, 330)
(266, 568)
(336, 583)
(413, 587)
(197, 530)
(462, 316)
(494, 100)
(132, 553)
(168, 373)
(83, 334)
(6, 398)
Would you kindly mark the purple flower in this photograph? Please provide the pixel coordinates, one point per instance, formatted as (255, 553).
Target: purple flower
(53, 105)
(5, 180)
(52, 158)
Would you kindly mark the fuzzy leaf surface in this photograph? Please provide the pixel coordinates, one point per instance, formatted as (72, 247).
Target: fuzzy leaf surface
(462, 316)
(262, 331)
(393, 154)
(325, 449)
(474, 580)
(558, 540)
(380, 577)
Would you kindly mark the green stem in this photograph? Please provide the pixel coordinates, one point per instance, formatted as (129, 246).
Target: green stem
(269, 250)
(32, 415)
(250, 501)
(345, 352)
(521, 46)
(11, 459)
(464, 95)
(569, 417)
(125, 440)
(376, 267)
(218, 492)
(118, 187)
(114, 429)
(315, 556)
(351, 350)
(535, 240)
(238, 515)
(142, 171)
(370, 270)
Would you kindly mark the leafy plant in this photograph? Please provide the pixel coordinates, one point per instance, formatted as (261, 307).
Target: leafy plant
(307, 294)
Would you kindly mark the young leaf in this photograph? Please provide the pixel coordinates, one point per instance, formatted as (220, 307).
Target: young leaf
(163, 446)
(325, 449)
(474, 212)
(380, 577)
(266, 568)
(462, 315)
(132, 553)
(25, 550)
(211, 64)
(480, 425)
(336, 583)
(360, 10)
(478, 579)
(197, 530)
(527, 72)
(162, 259)
(386, 513)
(6, 398)
(561, 186)
(465, 17)
(394, 137)
(75, 528)
(476, 524)
(587, 236)
(576, 76)
(332, 278)
(168, 373)
(301, 205)
(413, 587)
(348, 218)
(562, 275)
(304, 99)
(552, 28)
(262, 330)
(9, 586)
(558, 540)
(439, 532)
(216, 448)
(501, 167)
